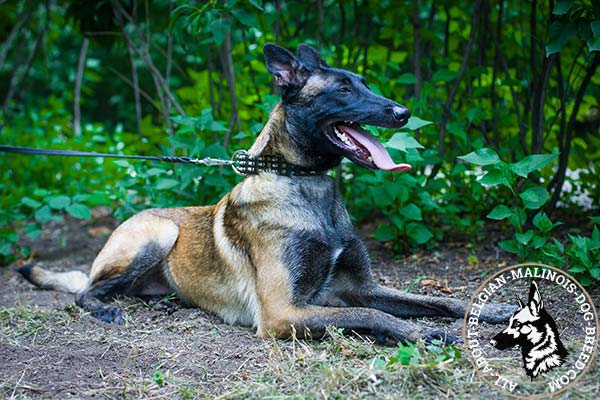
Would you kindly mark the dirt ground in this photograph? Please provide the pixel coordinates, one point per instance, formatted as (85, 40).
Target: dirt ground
(50, 349)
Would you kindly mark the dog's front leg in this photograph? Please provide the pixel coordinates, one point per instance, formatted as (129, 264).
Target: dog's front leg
(284, 310)
(402, 304)
(313, 321)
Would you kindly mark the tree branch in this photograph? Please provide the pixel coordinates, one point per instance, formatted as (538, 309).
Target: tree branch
(136, 91)
(144, 53)
(227, 61)
(77, 89)
(11, 37)
(559, 178)
(463, 67)
(16, 80)
(143, 93)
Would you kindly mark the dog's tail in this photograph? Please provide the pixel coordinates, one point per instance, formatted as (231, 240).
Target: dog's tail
(70, 282)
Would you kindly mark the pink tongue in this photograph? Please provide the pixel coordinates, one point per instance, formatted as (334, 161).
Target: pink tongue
(381, 158)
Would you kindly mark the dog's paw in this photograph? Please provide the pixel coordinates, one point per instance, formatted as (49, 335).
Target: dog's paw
(440, 336)
(110, 314)
(497, 313)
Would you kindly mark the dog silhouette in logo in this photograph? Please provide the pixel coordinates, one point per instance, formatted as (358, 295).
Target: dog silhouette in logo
(533, 330)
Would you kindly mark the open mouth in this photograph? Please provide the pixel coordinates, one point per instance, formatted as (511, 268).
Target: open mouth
(361, 147)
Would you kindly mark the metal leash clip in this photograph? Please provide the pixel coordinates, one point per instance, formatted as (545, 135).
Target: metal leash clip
(210, 162)
(242, 163)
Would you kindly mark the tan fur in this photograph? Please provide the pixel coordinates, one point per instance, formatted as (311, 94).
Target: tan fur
(127, 241)
(273, 139)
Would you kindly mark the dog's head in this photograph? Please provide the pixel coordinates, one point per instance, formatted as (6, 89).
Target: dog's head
(324, 108)
(526, 326)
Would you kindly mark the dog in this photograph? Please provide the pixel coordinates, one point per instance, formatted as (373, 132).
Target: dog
(277, 253)
(534, 330)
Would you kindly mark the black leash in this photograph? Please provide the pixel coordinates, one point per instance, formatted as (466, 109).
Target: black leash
(241, 162)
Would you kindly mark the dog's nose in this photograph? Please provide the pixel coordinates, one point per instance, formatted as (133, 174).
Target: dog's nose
(400, 113)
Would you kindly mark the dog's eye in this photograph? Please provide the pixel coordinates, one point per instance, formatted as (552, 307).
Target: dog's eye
(344, 89)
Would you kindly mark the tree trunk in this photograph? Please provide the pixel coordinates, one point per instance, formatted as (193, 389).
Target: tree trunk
(77, 90)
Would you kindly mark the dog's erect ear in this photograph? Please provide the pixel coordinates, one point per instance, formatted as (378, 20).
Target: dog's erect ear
(535, 299)
(310, 57)
(282, 64)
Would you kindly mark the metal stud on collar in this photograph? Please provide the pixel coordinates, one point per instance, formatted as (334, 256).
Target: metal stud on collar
(244, 164)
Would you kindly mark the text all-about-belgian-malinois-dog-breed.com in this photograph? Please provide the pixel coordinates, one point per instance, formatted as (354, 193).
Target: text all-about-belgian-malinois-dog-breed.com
(278, 252)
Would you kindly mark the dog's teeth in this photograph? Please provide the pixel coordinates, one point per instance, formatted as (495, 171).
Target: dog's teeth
(342, 136)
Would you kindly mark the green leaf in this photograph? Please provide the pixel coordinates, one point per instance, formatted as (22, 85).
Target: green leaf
(81, 211)
(577, 268)
(500, 212)
(595, 273)
(593, 44)
(415, 123)
(385, 233)
(418, 232)
(595, 27)
(166, 183)
(562, 7)
(457, 128)
(155, 171)
(509, 245)
(33, 231)
(5, 249)
(43, 214)
(31, 203)
(122, 163)
(534, 162)
(524, 238)
(411, 212)
(534, 197)
(59, 202)
(560, 33)
(444, 75)
(413, 157)
(484, 156)
(496, 177)
(245, 17)
(406, 79)
(542, 222)
(474, 114)
(219, 28)
(559, 245)
(403, 141)
(257, 4)
(585, 280)
(11, 237)
(538, 241)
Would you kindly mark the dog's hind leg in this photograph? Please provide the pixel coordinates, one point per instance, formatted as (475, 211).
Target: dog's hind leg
(133, 254)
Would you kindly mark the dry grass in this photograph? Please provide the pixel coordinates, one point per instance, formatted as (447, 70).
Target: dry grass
(338, 367)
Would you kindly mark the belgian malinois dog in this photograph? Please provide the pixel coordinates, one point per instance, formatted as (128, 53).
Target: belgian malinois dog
(278, 252)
